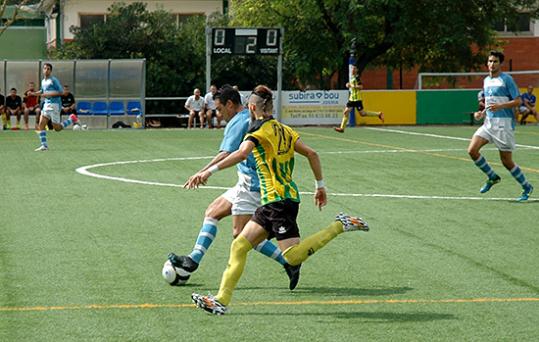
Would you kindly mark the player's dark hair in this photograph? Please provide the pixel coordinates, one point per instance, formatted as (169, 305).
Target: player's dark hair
(13, 89)
(497, 54)
(266, 95)
(227, 93)
(49, 64)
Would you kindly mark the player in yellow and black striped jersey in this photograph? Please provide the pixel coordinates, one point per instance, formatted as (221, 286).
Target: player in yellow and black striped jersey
(274, 155)
(273, 145)
(355, 100)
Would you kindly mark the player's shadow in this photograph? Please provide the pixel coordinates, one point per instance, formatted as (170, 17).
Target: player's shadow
(337, 291)
(363, 316)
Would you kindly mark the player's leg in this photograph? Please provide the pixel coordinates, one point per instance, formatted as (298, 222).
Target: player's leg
(478, 141)
(507, 159)
(245, 203)
(344, 121)
(26, 115)
(364, 112)
(42, 132)
(252, 235)
(296, 252)
(218, 209)
(57, 124)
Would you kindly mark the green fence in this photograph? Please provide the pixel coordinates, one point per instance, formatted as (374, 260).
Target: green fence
(445, 106)
(23, 43)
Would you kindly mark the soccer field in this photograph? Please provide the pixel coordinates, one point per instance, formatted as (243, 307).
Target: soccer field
(81, 251)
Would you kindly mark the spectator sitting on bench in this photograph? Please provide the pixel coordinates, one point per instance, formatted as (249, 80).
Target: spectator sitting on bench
(211, 110)
(13, 107)
(31, 105)
(195, 106)
(3, 111)
(528, 105)
(68, 102)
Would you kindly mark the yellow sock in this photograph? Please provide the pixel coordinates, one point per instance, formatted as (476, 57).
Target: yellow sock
(297, 254)
(236, 263)
(367, 113)
(344, 121)
(4, 119)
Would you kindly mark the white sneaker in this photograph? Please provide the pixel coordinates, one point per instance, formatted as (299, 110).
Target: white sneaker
(41, 148)
(351, 223)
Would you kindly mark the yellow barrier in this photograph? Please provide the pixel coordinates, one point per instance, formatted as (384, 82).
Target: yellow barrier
(399, 107)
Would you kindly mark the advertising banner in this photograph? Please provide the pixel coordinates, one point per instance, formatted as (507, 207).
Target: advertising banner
(313, 107)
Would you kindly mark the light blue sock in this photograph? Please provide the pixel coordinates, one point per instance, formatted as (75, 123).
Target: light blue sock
(204, 240)
(485, 167)
(67, 123)
(43, 138)
(270, 250)
(516, 172)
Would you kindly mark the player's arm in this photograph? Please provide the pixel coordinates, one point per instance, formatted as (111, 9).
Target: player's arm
(506, 105)
(234, 158)
(320, 196)
(220, 156)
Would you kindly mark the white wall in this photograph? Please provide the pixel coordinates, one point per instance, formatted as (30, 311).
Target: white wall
(72, 9)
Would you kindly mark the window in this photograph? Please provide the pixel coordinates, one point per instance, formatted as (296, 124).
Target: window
(89, 20)
(522, 23)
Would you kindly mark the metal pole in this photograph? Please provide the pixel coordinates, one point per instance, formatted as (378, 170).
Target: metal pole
(143, 93)
(208, 57)
(280, 77)
(108, 94)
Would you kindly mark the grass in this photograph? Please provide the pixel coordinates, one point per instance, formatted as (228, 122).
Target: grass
(80, 257)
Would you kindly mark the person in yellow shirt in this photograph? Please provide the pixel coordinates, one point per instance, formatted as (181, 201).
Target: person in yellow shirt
(273, 145)
(355, 101)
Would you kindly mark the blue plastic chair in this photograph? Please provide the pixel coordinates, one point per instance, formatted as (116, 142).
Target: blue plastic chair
(100, 108)
(84, 108)
(134, 107)
(116, 108)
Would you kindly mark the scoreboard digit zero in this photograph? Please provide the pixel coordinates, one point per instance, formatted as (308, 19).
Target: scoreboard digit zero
(246, 41)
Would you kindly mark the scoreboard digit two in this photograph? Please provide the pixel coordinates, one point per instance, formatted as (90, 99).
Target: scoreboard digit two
(246, 41)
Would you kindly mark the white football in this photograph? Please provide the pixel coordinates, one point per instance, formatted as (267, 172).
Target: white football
(84, 127)
(77, 127)
(174, 276)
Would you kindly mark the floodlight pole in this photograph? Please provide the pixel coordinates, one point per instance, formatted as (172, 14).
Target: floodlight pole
(208, 58)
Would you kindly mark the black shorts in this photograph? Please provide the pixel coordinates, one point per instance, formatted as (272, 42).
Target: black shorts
(355, 104)
(278, 219)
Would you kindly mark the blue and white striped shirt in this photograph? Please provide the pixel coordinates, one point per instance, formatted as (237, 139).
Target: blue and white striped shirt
(498, 90)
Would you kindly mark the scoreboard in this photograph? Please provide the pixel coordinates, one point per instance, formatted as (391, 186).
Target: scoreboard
(246, 41)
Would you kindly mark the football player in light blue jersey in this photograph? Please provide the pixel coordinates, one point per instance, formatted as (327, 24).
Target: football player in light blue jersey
(52, 91)
(501, 98)
(242, 200)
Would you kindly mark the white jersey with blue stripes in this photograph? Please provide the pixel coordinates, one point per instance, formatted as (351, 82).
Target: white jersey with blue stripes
(497, 90)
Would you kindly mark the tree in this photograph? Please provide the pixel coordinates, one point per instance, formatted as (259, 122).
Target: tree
(174, 55)
(14, 15)
(436, 35)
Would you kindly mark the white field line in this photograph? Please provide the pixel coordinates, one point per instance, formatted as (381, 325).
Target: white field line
(436, 136)
(84, 170)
